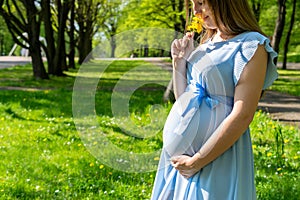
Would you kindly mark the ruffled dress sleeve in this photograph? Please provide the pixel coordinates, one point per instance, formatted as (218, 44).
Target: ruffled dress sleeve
(248, 47)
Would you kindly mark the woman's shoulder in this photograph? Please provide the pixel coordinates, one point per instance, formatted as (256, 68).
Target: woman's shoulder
(253, 36)
(249, 42)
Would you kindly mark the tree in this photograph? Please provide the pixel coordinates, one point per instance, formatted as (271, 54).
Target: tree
(287, 40)
(86, 17)
(33, 30)
(155, 13)
(28, 22)
(49, 35)
(279, 27)
(110, 23)
(60, 63)
(71, 34)
(56, 17)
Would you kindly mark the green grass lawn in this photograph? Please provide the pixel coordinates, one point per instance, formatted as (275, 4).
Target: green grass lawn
(44, 156)
(292, 56)
(288, 82)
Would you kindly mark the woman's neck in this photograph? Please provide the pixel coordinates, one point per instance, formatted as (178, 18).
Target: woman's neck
(219, 36)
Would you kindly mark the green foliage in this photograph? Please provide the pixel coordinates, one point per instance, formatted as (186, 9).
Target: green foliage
(43, 157)
(6, 42)
(151, 13)
(268, 16)
(142, 17)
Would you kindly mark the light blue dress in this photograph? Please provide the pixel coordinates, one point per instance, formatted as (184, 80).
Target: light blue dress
(213, 71)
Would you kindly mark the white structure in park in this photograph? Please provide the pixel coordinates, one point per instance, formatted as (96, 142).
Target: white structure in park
(25, 51)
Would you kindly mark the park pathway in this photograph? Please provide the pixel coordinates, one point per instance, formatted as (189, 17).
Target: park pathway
(10, 61)
(282, 107)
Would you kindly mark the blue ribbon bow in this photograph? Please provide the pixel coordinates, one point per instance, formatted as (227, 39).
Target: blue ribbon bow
(200, 94)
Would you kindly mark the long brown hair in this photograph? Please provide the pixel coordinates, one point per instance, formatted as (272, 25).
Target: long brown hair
(232, 18)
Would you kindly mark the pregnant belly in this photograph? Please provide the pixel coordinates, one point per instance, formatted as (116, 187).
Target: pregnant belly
(187, 128)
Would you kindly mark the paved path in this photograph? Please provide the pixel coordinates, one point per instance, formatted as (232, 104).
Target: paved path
(10, 61)
(282, 107)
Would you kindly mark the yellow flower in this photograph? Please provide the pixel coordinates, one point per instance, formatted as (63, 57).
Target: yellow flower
(156, 158)
(92, 164)
(101, 166)
(278, 169)
(195, 25)
(254, 146)
(269, 154)
(286, 141)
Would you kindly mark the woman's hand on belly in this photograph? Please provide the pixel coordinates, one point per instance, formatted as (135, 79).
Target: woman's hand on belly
(186, 165)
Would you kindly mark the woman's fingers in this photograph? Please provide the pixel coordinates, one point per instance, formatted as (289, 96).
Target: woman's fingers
(185, 42)
(181, 163)
(182, 47)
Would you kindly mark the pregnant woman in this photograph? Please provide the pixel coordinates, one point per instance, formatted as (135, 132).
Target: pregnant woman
(207, 151)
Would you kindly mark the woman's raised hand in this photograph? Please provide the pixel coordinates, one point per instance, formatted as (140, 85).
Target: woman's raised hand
(182, 48)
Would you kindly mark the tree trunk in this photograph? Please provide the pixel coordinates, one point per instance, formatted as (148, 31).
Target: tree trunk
(168, 94)
(33, 25)
(85, 42)
(287, 40)
(113, 43)
(49, 34)
(72, 36)
(113, 46)
(87, 18)
(39, 71)
(60, 54)
(279, 26)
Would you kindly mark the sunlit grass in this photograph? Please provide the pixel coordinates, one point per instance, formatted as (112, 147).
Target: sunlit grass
(277, 156)
(292, 56)
(288, 82)
(43, 156)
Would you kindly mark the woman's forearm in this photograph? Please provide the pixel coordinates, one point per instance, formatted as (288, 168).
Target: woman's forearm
(228, 132)
(179, 76)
